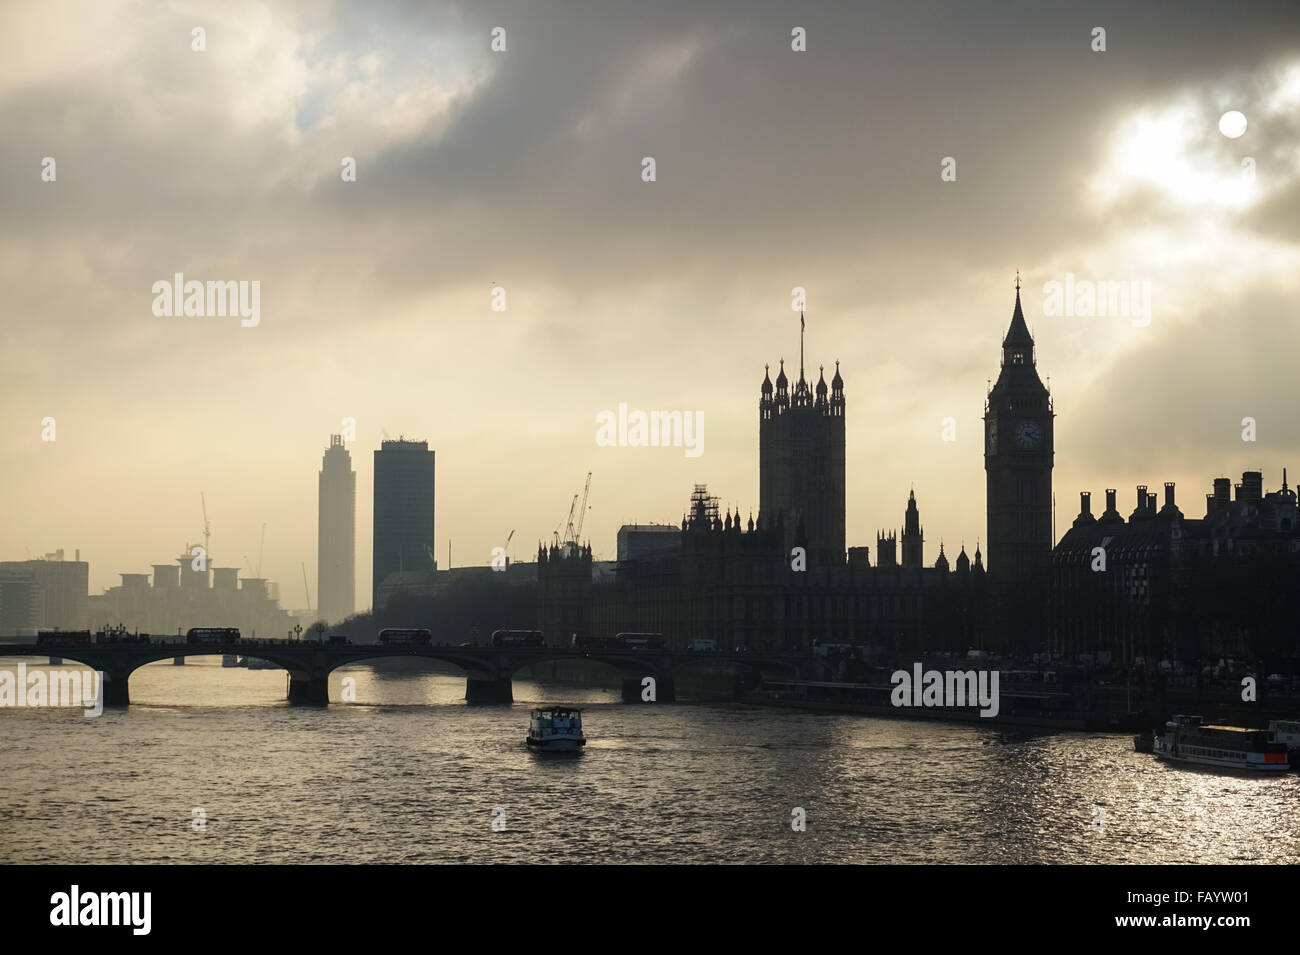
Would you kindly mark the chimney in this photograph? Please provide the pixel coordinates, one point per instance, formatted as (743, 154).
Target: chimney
(1110, 499)
(1169, 494)
(78, 550)
(1209, 505)
(1085, 503)
(1222, 493)
(1252, 486)
(1151, 502)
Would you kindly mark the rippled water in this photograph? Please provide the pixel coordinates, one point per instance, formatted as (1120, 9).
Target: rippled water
(409, 773)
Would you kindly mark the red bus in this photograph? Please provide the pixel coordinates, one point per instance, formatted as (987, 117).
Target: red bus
(397, 637)
(518, 638)
(63, 638)
(217, 635)
(591, 643)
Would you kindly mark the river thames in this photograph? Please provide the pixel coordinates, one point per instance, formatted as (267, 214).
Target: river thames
(211, 765)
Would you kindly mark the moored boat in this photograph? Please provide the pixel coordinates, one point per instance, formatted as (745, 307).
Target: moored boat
(1188, 740)
(1287, 732)
(556, 729)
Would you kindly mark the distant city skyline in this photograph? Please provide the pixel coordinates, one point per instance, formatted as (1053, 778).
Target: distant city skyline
(514, 179)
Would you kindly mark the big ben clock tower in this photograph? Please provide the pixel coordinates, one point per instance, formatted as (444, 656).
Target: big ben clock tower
(1018, 453)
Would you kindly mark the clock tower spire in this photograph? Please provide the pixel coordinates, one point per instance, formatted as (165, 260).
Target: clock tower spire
(1018, 455)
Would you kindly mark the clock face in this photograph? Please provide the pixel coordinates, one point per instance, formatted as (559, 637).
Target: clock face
(1028, 434)
(992, 435)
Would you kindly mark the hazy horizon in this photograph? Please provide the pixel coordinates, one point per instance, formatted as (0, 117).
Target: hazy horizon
(522, 170)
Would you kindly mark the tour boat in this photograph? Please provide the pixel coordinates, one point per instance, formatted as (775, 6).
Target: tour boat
(556, 729)
(1287, 732)
(1187, 740)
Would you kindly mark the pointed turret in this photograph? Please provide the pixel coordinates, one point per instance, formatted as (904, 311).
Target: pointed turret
(1018, 334)
(942, 563)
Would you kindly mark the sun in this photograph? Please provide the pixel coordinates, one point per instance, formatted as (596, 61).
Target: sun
(1232, 124)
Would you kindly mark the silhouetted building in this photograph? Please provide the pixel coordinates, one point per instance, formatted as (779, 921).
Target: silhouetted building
(1161, 586)
(913, 535)
(403, 526)
(336, 534)
(60, 590)
(1018, 456)
(733, 582)
(183, 596)
(564, 592)
(20, 601)
(638, 541)
(801, 462)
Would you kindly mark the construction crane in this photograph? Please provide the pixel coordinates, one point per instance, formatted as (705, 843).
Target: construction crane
(568, 524)
(508, 539)
(582, 511)
(207, 528)
(261, 550)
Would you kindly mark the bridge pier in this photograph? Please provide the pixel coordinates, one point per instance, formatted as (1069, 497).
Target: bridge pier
(178, 661)
(665, 691)
(309, 690)
(478, 690)
(115, 689)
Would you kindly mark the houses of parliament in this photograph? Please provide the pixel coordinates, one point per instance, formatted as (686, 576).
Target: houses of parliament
(1165, 586)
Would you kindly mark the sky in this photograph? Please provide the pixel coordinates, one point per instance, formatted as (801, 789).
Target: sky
(522, 169)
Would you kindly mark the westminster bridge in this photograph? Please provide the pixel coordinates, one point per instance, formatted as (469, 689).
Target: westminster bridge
(488, 670)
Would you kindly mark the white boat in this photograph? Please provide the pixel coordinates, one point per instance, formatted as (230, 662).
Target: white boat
(556, 729)
(1287, 732)
(1188, 740)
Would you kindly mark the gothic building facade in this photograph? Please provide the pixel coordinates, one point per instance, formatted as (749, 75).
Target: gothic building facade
(1018, 457)
(801, 458)
(1162, 586)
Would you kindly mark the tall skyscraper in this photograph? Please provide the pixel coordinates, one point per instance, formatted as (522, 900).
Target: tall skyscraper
(1018, 455)
(403, 510)
(336, 534)
(801, 462)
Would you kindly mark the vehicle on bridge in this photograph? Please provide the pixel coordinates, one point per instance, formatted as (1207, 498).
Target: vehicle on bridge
(639, 641)
(556, 729)
(338, 641)
(219, 636)
(591, 643)
(837, 649)
(63, 638)
(397, 637)
(704, 644)
(518, 638)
